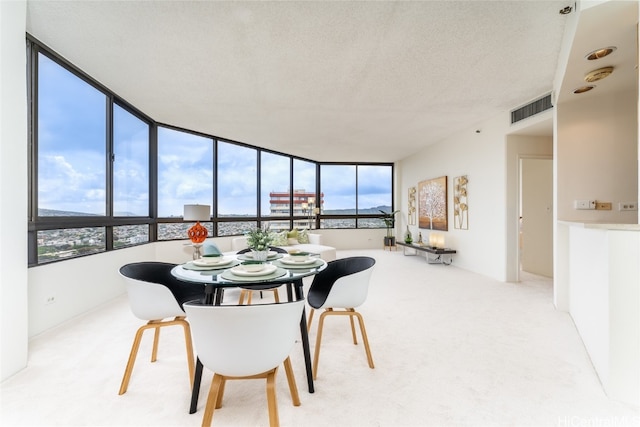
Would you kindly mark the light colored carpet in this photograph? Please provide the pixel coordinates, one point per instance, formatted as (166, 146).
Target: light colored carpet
(451, 348)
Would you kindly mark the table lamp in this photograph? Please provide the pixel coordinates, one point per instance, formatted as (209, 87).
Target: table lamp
(198, 233)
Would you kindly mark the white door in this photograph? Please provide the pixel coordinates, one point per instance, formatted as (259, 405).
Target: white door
(536, 244)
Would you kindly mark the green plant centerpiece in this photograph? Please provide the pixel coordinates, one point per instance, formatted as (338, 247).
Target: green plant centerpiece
(389, 219)
(259, 240)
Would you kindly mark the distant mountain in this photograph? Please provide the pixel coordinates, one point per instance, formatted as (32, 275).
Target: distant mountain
(53, 212)
(367, 211)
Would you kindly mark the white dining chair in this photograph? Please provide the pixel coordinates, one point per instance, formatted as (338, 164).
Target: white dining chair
(245, 342)
(157, 297)
(338, 290)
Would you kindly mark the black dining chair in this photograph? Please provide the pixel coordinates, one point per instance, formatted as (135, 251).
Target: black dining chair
(157, 297)
(338, 289)
(248, 293)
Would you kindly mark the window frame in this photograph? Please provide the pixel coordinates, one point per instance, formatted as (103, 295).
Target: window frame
(38, 223)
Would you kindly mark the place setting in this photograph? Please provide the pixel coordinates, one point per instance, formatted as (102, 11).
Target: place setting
(249, 271)
(298, 259)
(211, 259)
(271, 255)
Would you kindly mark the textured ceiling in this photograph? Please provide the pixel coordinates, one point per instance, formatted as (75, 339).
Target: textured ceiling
(328, 81)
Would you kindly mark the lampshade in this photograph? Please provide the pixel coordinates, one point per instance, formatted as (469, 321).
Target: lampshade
(311, 200)
(197, 212)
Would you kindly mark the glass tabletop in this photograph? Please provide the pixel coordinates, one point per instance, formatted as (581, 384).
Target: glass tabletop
(277, 271)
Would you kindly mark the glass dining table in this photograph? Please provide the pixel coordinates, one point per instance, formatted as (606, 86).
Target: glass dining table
(231, 271)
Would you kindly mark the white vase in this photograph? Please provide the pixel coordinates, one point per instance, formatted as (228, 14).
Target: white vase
(260, 255)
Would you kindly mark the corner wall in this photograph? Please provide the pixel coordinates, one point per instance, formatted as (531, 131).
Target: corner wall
(13, 188)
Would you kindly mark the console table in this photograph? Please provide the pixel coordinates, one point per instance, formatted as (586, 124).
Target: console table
(433, 255)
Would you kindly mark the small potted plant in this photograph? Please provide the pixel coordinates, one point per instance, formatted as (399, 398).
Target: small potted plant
(259, 240)
(408, 238)
(389, 219)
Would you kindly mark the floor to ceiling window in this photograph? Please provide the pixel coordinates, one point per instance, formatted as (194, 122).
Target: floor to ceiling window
(185, 176)
(106, 176)
(130, 176)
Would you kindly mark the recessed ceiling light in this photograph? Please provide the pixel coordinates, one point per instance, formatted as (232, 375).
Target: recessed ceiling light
(600, 53)
(583, 89)
(598, 74)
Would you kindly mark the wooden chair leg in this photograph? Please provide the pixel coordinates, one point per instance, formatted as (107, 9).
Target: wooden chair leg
(216, 393)
(353, 328)
(276, 296)
(212, 398)
(189, 345)
(351, 313)
(365, 339)
(291, 379)
(272, 402)
(132, 359)
(243, 292)
(223, 383)
(157, 324)
(156, 339)
(316, 354)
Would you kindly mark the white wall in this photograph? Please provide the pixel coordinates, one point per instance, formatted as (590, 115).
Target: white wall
(490, 159)
(13, 188)
(604, 278)
(482, 157)
(597, 156)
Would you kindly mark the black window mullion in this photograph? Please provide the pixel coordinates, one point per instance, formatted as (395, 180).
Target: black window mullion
(259, 187)
(110, 158)
(318, 198)
(32, 96)
(153, 182)
(291, 192)
(214, 203)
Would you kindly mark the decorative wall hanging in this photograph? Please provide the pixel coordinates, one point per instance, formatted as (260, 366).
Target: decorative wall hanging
(412, 206)
(460, 206)
(432, 204)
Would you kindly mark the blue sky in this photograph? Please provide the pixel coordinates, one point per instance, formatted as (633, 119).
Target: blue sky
(72, 162)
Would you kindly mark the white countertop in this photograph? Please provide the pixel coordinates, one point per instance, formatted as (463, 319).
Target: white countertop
(602, 226)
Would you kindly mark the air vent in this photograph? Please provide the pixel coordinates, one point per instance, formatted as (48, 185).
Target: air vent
(531, 109)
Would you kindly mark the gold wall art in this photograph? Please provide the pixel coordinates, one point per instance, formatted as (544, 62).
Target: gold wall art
(412, 206)
(432, 204)
(460, 206)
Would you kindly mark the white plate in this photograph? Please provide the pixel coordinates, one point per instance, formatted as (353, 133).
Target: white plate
(293, 261)
(212, 267)
(212, 261)
(240, 271)
(270, 254)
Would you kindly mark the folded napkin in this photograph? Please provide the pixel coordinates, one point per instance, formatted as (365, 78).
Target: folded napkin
(210, 249)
